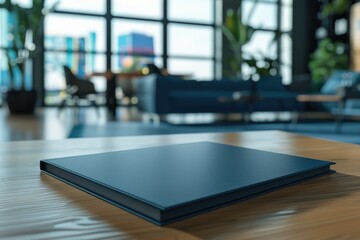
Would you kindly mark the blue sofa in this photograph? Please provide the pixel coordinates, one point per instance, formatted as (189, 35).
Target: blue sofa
(169, 94)
(342, 80)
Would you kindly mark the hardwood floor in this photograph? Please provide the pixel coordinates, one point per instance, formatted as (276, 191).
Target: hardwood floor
(50, 124)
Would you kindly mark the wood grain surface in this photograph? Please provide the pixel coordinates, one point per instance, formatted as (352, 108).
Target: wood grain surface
(36, 206)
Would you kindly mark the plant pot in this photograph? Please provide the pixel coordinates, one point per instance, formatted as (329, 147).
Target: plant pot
(21, 102)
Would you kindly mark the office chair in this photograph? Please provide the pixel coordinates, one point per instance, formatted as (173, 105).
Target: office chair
(77, 89)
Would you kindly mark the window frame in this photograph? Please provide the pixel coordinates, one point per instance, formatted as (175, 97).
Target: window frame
(164, 21)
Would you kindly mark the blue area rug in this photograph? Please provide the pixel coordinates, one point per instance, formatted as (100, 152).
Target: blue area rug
(350, 131)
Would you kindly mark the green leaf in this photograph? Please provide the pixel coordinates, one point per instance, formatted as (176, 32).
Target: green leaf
(230, 37)
(335, 7)
(232, 23)
(326, 59)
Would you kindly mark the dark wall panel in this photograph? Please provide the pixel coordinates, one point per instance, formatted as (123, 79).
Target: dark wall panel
(305, 23)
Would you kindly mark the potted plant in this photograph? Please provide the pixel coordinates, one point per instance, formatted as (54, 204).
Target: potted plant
(24, 26)
(329, 56)
(237, 34)
(335, 7)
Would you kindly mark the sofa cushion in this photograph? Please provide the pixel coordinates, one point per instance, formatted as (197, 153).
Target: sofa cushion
(270, 83)
(221, 85)
(171, 94)
(271, 95)
(276, 105)
(339, 79)
(205, 101)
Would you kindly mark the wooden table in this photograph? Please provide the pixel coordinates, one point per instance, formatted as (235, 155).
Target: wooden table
(112, 77)
(318, 98)
(323, 98)
(37, 206)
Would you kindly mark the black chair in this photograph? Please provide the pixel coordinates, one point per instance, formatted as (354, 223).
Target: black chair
(77, 89)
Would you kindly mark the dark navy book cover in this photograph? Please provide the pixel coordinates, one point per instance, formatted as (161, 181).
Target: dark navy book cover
(170, 183)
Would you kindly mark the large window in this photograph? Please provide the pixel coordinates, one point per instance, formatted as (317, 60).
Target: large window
(82, 47)
(183, 36)
(3, 63)
(191, 38)
(272, 20)
(7, 44)
(4, 75)
(136, 42)
(260, 14)
(79, 6)
(3, 28)
(90, 39)
(286, 41)
(183, 41)
(75, 36)
(152, 9)
(200, 11)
